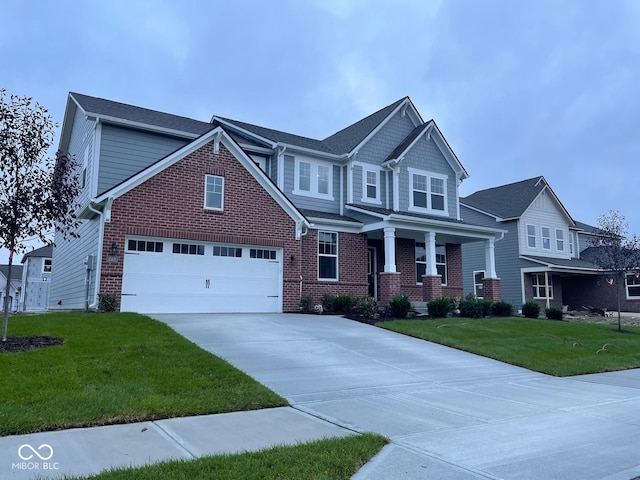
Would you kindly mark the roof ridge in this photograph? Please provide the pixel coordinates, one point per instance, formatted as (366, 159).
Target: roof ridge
(266, 128)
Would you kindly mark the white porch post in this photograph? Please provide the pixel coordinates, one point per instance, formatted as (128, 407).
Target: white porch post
(430, 245)
(490, 259)
(390, 249)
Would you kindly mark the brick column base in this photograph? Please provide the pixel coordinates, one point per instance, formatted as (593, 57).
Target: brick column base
(389, 286)
(491, 289)
(431, 287)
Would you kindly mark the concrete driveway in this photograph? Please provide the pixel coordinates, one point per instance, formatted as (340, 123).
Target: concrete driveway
(449, 414)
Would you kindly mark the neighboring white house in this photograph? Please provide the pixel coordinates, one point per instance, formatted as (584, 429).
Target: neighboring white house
(34, 295)
(15, 286)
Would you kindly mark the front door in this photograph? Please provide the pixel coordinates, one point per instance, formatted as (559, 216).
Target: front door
(372, 274)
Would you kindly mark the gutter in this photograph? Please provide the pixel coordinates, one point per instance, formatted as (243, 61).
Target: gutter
(105, 217)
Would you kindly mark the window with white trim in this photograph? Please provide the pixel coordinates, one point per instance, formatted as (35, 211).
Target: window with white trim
(313, 179)
(227, 251)
(478, 284)
(531, 236)
(633, 286)
(370, 186)
(188, 249)
(540, 286)
(46, 266)
(421, 262)
(85, 165)
(546, 238)
(263, 253)
(327, 255)
(428, 192)
(213, 192)
(144, 246)
(559, 240)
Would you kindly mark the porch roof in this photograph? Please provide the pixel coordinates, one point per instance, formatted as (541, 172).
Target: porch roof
(570, 265)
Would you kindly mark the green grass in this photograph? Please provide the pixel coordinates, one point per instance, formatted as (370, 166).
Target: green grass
(115, 368)
(556, 348)
(330, 459)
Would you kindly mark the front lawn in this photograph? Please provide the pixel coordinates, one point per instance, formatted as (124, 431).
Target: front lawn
(337, 458)
(553, 347)
(115, 368)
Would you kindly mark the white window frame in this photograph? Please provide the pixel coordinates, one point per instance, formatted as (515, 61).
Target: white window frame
(559, 240)
(532, 236)
(336, 256)
(476, 284)
(45, 265)
(444, 278)
(429, 208)
(635, 285)
(548, 238)
(206, 207)
(366, 170)
(84, 181)
(571, 246)
(313, 181)
(538, 281)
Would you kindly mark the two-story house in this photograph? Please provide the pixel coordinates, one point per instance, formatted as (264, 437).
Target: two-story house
(36, 273)
(181, 215)
(541, 257)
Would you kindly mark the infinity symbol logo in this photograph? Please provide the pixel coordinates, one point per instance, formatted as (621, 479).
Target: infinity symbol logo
(46, 455)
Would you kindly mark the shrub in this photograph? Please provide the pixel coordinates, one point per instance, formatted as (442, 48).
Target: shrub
(327, 301)
(306, 304)
(486, 307)
(399, 305)
(553, 313)
(470, 308)
(531, 310)
(106, 302)
(440, 307)
(502, 309)
(342, 303)
(365, 306)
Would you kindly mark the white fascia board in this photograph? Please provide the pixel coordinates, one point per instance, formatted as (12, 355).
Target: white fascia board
(459, 228)
(366, 212)
(335, 225)
(70, 112)
(316, 153)
(406, 103)
(424, 133)
(447, 152)
(140, 125)
(233, 126)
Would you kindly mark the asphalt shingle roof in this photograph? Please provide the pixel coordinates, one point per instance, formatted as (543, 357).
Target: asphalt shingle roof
(45, 252)
(407, 141)
(328, 216)
(132, 113)
(16, 271)
(507, 201)
(565, 262)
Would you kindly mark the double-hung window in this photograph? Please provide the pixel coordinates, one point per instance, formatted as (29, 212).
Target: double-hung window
(46, 266)
(313, 179)
(428, 192)
(559, 240)
(540, 286)
(213, 192)
(478, 284)
(633, 286)
(531, 236)
(546, 238)
(421, 262)
(327, 255)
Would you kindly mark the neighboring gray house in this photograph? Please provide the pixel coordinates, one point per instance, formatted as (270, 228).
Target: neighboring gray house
(540, 257)
(181, 215)
(36, 276)
(15, 286)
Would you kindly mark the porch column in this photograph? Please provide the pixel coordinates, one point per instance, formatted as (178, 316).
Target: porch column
(390, 250)
(431, 281)
(491, 282)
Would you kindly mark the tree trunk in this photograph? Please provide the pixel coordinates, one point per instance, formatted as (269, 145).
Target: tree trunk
(618, 294)
(5, 318)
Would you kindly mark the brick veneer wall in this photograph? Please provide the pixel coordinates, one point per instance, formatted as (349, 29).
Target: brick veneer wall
(352, 266)
(171, 204)
(491, 289)
(594, 291)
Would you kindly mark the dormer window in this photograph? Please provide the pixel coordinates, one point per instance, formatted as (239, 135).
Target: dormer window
(428, 192)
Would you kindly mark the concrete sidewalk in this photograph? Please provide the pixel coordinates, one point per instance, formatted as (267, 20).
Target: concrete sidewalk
(84, 451)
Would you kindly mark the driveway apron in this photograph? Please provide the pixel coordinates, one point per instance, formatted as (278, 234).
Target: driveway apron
(449, 414)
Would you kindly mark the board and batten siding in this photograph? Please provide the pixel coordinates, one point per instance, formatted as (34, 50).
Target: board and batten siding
(544, 212)
(125, 152)
(309, 202)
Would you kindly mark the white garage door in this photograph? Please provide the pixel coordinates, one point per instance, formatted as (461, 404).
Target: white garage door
(170, 276)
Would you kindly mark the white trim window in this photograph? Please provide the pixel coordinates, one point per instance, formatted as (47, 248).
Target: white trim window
(632, 283)
(421, 262)
(540, 286)
(571, 242)
(427, 192)
(546, 238)
(327, 256)
(313, 179)
(478, 284)
(531, 236)
(559, 239)
(213, 192)
(46, 265)
(371, 185)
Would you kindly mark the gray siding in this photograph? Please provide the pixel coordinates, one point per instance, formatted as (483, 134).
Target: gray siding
(378, 148)
(304, 202)
(124, 152)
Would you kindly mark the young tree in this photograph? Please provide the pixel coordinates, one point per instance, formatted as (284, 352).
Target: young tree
(615, 253)
(37, 192)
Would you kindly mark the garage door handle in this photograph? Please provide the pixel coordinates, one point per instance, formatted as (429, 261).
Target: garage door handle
(207, 283)
(273, 296)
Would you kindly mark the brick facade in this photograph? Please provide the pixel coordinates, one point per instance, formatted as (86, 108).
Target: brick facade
(595, 291)
(389, 286)
(431, 287)
(491, 289)
(171, 205)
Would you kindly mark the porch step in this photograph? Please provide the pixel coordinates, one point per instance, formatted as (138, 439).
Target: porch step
(420, 308)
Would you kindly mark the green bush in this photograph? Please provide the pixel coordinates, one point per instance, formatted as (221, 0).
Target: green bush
(531, 310)
(502, 309)
(486, 307)
(107, 302)
(440, 307)
(470, 308)
(327, 301)
(342, 303)
(399, 305)
(306, 304)
(365, 306)
(553, 313)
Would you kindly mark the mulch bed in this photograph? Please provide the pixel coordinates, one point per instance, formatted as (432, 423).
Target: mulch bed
(22, 344)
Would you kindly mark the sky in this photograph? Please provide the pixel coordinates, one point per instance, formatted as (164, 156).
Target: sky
(518, 88)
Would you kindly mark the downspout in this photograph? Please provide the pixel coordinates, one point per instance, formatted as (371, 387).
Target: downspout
(98, 268)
